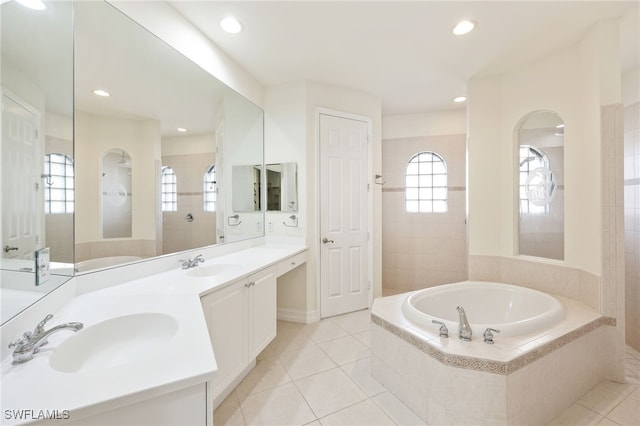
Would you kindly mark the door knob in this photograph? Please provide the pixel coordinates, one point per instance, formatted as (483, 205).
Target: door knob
(8, 248)
(325, 240)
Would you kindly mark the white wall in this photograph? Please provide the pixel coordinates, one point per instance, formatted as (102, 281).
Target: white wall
(574, 83)
(453, 122)
(94, 135)
(290, 123)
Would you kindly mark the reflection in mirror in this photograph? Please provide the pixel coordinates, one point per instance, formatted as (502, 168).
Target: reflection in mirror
(246, 188)
(282, 187)
(116, 194)
(541, 185)
(36, 200)
(174, 121)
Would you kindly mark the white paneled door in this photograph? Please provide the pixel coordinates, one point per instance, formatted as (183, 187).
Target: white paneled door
(22, 165)
(344, 252)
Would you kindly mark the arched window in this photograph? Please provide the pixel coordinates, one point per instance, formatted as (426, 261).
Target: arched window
(426, 183)
(58, 184)
(531, 158)
(210, 189)
(169, 190)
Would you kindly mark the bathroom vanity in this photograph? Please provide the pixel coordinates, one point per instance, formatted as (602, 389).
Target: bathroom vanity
(160, 350)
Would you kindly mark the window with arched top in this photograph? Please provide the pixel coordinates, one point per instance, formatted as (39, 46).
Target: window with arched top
(58, 184)
(531, 158)
(168, 183)
(426, 183)
(210, 189)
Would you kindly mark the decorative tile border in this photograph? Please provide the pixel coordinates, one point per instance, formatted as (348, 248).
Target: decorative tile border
(451, 189)
(487, 365)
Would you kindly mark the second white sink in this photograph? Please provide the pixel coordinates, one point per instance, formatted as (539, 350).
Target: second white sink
(114, 342)
(211, 270)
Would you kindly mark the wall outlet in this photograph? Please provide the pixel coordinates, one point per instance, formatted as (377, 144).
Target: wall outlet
(42, 265)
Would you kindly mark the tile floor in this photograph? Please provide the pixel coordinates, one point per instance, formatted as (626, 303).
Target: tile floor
(318, 374)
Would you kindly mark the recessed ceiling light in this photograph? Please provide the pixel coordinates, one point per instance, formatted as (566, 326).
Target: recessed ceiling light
(460, 99)
(33, 4)
(560, 126)
(231, 25)
(101, 92)
(463, 27)
(181, 129)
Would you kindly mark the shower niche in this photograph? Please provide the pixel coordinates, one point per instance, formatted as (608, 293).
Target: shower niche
(116, 194)
(540, 185)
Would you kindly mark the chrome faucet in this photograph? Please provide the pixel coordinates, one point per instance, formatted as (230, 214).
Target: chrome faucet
(192, 263)
(30, 342)
(464, 329)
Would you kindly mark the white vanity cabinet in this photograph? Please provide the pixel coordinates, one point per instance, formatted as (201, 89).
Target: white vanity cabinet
(241, 318)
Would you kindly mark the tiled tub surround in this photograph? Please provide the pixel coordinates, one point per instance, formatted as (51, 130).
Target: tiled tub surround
(527, 379)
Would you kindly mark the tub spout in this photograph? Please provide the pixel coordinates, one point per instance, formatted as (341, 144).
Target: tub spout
(464, 329)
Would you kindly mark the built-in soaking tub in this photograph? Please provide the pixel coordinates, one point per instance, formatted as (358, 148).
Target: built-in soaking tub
(511, 309)
(551, 351)
(104, 262)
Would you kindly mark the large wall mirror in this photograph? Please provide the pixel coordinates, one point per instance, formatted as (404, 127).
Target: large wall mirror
(108, 91)
(36, 202)
(540, 185)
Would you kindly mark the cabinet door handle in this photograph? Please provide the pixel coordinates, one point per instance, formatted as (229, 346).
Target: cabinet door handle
(293, 263)
(251, 284)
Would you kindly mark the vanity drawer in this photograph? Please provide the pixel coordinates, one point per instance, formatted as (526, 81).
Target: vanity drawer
(292, 262)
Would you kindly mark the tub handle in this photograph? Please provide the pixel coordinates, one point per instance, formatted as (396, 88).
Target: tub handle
(444, 332)
(488, 335)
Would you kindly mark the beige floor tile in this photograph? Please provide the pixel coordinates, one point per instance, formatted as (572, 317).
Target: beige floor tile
(306, 361)
(329, 391)
(228, 412)
(606, 396)
(364, 337)
(267, 374)
(345, 349)
(325, 330)
(360, 372)
(606, 422)
(577, 415)
(355, 322)
(395, 409)
(627, 413)
(283, 405)
(365, 413)
(289, 339)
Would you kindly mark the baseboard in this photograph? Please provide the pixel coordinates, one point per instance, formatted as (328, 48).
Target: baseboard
(295, 315)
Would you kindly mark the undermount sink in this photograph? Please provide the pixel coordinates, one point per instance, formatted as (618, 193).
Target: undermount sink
(114, 342)
(211, 270)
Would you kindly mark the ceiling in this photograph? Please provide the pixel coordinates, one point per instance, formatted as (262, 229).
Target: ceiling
(403, 52)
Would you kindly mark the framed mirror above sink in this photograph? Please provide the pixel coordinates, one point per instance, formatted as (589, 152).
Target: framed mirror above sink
(102, 87)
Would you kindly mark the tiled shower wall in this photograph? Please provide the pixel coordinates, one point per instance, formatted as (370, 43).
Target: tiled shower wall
(632, 222)
(422, 250)
(178, 234)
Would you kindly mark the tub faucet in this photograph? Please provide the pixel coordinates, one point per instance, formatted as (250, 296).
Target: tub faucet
(30, 342)
(464, 329)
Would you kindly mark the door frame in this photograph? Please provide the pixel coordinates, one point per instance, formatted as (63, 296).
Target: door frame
(316, 244)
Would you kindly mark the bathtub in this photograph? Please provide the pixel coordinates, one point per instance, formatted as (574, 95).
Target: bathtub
(509, 308)
(525, 377)
(104, 262)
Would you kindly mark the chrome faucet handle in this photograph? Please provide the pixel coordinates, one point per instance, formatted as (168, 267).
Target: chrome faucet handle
(40, 327)
(444, 332)
(198, 259)
(488, 335)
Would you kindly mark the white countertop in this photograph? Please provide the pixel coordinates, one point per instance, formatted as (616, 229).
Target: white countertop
(187, 360)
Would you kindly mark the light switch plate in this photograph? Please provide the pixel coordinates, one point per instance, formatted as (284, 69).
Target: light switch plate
(42, 265)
